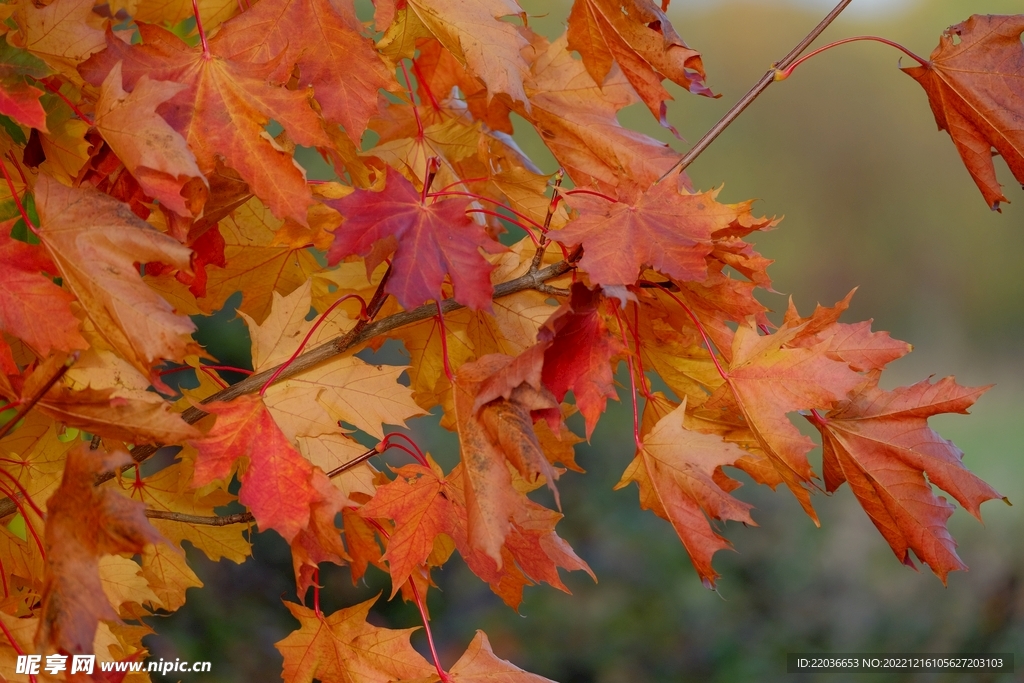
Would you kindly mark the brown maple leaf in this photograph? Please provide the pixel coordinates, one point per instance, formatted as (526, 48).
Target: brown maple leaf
(975, 84)
(429, 240)
(879, 441)
(343, 647)
(153, 152)
(83, 524)
(222, 112)
(500, 430)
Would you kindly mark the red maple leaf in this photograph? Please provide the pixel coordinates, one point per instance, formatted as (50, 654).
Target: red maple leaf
(429, 240)
(579, 353)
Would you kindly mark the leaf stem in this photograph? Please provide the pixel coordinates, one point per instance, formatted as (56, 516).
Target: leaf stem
(632, 381)
(78, 112)
(27, 406)
(481, 197)
(412, 100)
(14, 644)
(24, 493)
(782, 74)
(426, 88)
(17, 199)
(281, 368)
(696, 321)
(488, 212)
(422, 459)
(602, 195)
(445, 678)
(444, 346)
(199, 27)
(754, 92)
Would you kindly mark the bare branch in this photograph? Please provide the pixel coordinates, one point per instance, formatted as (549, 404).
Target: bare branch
(754, 92)
(237, 518)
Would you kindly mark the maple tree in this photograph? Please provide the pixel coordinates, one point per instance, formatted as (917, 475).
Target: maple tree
(143, 186)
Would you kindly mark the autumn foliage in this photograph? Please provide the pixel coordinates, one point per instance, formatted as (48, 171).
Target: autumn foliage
(146, 184)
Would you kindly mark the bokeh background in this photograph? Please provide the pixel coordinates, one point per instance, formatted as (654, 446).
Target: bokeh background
(873, 197)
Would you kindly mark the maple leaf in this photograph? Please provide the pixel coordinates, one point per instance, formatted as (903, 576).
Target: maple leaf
(675, 472)
(18, 98)
(666, 230)
(62, 33)
(879, 441)
(343, 648)
(277, 482)
(638, 36)
(472, 31)
(256, 262)
(32, 307)
(576, 119)
(766, 381)
(96, 242)
(311, 403)
(579, 354)
(341, 65)
(418, 505)
(479, 664)
(430, 241)
(491, 430)
(84, 523)
(151, 150)
(222, 112)
(975, 83)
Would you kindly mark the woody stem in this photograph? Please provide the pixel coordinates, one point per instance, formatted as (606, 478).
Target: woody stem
(754, 92)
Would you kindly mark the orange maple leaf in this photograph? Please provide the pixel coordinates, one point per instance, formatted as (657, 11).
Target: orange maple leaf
(343, 648)
(675, 472)
(638, 35)
(222, 112)
(479, 664)
(879, 441)
(84, 523)
(766, 380)
(341, 65)
(32, 307)
(153, 152)
(96, 242)
(975, 84)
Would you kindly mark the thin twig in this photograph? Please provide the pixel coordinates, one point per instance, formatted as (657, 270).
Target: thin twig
(226, 520)
(752, 94)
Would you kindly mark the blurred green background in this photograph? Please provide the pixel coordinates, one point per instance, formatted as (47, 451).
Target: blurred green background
(873, 197)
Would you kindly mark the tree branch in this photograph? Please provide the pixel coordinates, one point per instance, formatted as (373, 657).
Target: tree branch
(237, 518)
(754, 92)
(363, 331)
